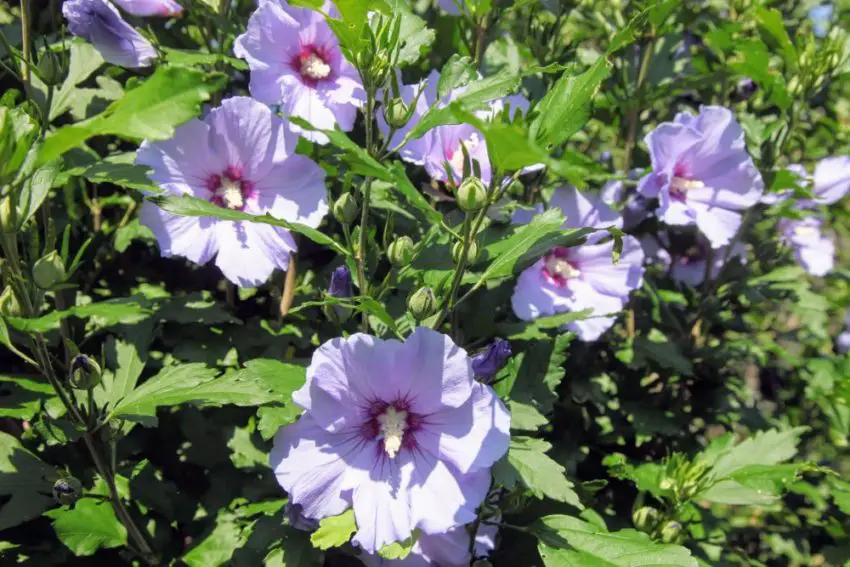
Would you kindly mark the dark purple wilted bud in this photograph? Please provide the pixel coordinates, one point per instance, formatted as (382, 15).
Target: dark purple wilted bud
(295, 517)
(745, 89)
(341, 283)
(487, 363)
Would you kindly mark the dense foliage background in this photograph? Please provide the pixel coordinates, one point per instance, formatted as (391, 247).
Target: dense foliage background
(708, 426)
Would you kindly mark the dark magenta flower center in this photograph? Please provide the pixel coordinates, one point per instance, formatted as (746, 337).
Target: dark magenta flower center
(682, 182)
(393, 424)
(312, 63)
(230, 190)
(558, 268)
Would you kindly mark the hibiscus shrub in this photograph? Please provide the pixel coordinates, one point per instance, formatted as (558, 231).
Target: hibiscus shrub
(425, 282)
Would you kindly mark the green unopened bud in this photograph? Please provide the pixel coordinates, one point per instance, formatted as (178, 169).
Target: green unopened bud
(50, 68)
(6, 216)
(422, 303)
(396, 113)
(471, 253)
(85, 372)
(645, 518)
(472, 194)
(67, 490)
(345, 209)
(48, 270)
(9, 305)
(670, 532)
(400, 251)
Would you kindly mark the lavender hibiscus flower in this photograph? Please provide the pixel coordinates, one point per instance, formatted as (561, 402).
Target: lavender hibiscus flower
(702, 174)
(240, 157)
(812, 250)
(100, 23)
(163, 8)
(582, 277)
(400, 432)
(450, 549)
(440, 150)
(296, 62)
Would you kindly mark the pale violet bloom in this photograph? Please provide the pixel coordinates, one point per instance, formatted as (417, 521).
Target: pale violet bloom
(399, 431)
(452, 6)
(687, 264)
(241, 157)
(581, 210)
(164, 8)
(440, 150)
(830, 183)
(450, 549)
(296, 62)
(100, 23)
(843, 341)
(702, 174)
(812, 250)
(582, 277)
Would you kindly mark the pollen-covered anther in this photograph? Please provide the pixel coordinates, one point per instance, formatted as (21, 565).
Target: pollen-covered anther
(392, 426)
(314, 67)
(457, 159)
(805, 230)
(682, 185)
(230, 193)
(561, 267)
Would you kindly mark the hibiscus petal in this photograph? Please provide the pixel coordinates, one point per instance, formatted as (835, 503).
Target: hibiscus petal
(471, 437)
(249, 252)
(193, 238)
(311, 464)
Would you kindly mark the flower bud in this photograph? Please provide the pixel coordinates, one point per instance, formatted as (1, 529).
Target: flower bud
(487, 363)
(50, 68)
(6, 217)
(472, 194)
(471, 253)
(745, 89)
(85, 372)
(670, 532)
(9, 305)
(67, 490)
(48, 270)
(401, 251)
(396, 113)
(341, 287)
(345, 209)
(645, 518)
(422, 303)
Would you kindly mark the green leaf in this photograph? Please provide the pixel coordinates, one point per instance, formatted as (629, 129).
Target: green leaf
(537, 329)
(658, 348)
(402, 184)
(457, 72)
(24, 478)
(566, 107)
(122, 174)
(129, 367)
(475, 97)
(523, 243)
(569, 542)
(193, 207)
(414, 35)
(218, 546)
(528, 464)
(89, 526)
(35, 189)
(525, 417)
(259, 383)
(107, 313)
(6, 340)
(334, 531)
(764, 448)
(22, 397)
(773, 32)
(399, 550)
(170, 97)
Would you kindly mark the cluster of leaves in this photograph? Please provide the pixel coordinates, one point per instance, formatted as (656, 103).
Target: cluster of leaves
(709, 426)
